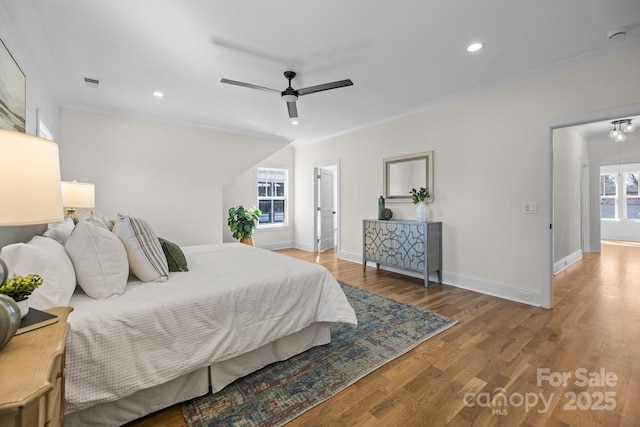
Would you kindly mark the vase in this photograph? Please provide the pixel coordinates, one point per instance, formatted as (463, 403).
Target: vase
(421, 212)
(9, 319)
(24, 307)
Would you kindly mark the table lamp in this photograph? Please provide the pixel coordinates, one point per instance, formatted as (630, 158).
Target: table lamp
(29, 189)
(77, 195)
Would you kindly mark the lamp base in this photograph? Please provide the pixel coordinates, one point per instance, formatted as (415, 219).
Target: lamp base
(71, 213)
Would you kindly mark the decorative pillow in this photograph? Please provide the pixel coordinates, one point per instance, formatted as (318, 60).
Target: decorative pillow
(175, 257)
(60, 231)
(146, 258)
(106, 221)
(95, 220)
(99, 259)
(48, 259)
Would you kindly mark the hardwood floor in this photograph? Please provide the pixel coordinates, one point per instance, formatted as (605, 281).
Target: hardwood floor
(489, 369)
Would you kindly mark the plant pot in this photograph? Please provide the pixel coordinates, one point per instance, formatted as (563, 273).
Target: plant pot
(421, 212)
(24, 307)
(247, 241)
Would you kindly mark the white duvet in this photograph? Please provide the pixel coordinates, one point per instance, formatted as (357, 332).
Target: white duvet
(234, 299)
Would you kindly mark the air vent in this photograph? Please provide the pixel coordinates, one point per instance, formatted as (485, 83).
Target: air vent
(90, 82)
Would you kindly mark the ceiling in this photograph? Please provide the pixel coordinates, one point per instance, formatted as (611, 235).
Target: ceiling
(402, 56)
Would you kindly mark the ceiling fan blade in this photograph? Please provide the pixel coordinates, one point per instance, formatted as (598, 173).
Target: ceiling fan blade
(326, 86)
(293, 110)
(249, 85)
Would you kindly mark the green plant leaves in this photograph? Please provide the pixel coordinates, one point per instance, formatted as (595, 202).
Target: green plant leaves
(242, 222)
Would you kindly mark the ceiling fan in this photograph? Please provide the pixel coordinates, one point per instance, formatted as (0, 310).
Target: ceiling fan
(290, 95)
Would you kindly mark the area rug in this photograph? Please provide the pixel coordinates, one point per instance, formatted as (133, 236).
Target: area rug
(281, 391)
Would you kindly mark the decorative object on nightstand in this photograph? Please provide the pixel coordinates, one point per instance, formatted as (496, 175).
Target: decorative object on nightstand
(19, 288)
(242, 223)
(387, 214)
(9, 319)
(30, 189)
(77, 195)
(418, 197)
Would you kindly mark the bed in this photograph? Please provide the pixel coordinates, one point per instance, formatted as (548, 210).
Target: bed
(236, 310)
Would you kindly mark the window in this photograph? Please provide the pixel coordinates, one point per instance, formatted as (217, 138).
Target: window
(619, 193)
(272, 195)
(632, 197)
(608, 196)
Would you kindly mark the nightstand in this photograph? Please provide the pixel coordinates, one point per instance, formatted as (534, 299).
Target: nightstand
(32, 375)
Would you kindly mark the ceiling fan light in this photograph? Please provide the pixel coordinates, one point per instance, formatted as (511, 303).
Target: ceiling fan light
(289, 98)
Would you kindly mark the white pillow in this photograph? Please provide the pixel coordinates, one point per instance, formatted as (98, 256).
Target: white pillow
(48, 259)
(98, 216)
(99, 259)
(146, 257)
(60, 231)
(96, 220)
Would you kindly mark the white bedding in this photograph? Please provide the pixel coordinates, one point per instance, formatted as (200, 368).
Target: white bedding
(234, 299)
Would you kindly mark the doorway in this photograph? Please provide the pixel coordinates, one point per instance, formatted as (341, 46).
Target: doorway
(326, 206)
(584, 213)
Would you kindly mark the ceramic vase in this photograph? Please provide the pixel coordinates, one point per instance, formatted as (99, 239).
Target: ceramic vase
(421, 212)
(9, 319)
(23, 306)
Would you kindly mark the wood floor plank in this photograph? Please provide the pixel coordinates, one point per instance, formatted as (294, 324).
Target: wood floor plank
(497, 344)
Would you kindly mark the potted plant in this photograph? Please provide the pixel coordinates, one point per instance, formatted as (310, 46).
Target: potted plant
(242, 223)
(419, 196)
(19, 288)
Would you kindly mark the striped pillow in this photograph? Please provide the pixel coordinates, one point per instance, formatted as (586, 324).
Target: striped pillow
(146, 258)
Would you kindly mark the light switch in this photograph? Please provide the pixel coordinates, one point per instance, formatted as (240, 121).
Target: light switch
(530, 207)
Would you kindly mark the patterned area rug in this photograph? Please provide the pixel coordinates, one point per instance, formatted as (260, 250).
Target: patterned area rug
(280, 392)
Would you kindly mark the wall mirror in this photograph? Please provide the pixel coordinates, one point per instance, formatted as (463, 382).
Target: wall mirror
(403, 173)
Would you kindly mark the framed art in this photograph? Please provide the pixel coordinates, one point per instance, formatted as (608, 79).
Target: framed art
(13, 93)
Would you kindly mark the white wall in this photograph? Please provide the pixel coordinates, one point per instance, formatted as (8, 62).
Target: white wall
(242, 191)
(170, 175)
(492, 153)
(39, 99)
(570, 152)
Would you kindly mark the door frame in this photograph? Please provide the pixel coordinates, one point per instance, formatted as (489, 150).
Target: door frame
(316, 169)
(547, 188)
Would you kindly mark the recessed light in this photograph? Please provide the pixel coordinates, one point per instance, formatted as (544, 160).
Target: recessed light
(294, 122)
(158, 94)
(474, 47)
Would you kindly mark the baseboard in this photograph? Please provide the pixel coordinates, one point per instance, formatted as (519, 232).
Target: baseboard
(566, 261)
(303, 246)
(476, 284)
(277, 245)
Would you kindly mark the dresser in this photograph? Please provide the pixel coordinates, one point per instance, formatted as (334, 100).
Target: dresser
(410, 245)
(32, 375)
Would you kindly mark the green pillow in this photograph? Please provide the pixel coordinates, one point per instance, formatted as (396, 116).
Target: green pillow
(175, 257)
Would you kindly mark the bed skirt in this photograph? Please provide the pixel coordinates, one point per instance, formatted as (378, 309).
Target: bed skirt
(199, 382)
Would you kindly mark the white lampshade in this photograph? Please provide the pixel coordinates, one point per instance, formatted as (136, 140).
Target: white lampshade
(78, 195)
(29, 180)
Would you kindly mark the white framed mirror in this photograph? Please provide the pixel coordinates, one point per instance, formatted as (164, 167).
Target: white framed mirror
(403, 173)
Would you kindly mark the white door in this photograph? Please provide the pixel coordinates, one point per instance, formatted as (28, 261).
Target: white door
(326, 209)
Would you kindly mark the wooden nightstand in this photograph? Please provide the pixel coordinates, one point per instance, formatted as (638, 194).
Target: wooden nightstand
(32, 375)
